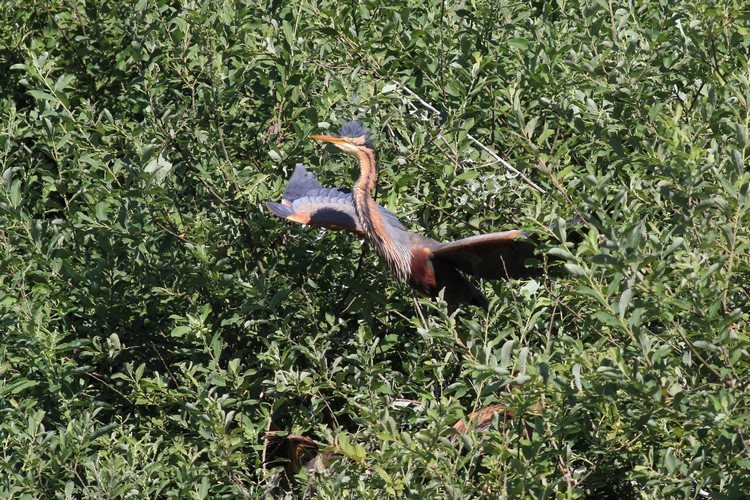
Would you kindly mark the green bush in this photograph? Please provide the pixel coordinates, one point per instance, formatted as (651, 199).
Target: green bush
(157, 321)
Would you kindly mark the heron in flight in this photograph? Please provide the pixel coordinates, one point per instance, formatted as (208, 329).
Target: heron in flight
(427, 265)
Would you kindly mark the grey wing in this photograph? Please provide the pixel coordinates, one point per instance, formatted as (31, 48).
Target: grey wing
(329, 208)
(306, 201)
(490, 256)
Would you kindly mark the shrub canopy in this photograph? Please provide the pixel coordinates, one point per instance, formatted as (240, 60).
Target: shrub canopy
(157, 321)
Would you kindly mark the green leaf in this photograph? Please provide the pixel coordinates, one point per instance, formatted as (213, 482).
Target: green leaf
(625, 299)
(465, 176)
(180, 331)
(573, 269)
(351, 450)
(519, 43)
(42, 95)
(607, 318)
(160, 167)
(101, 431)
(505, 353)
(18, 386)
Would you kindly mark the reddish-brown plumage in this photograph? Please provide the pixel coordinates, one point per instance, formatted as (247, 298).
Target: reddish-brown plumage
(422, 276)
(302, 218)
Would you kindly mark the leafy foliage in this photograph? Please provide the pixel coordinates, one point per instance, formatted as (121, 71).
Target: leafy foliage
(157, 322)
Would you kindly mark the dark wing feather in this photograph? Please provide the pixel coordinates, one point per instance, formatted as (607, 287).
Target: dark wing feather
(306, 201)
(490, 256)
(300, 183)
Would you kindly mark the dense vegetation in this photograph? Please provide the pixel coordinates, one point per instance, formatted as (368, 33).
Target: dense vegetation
(157, 321)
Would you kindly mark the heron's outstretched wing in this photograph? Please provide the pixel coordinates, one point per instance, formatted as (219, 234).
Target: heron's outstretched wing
(306, 201)
(490, 256)
(318, 211)
(495, 255)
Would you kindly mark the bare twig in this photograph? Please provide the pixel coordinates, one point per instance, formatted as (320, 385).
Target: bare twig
(506, 164)
(421, 101)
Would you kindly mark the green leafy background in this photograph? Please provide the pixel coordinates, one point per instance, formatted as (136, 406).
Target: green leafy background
(156, 321)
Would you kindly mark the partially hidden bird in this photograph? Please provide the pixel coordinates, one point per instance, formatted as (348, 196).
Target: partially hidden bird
(427, 265)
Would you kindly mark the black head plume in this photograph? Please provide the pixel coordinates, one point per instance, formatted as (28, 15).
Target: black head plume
(354, 128)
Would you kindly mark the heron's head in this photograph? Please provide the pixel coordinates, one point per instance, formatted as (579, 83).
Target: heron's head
(353, 138)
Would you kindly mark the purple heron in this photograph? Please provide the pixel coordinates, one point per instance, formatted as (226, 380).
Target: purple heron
(427, 265)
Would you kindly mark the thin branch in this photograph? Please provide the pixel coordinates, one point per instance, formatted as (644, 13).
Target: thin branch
(478, 143)
(506, 164)
(717, 374)
(421, 101)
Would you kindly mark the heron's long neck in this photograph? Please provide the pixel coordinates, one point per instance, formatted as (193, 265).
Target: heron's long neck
(388, 242)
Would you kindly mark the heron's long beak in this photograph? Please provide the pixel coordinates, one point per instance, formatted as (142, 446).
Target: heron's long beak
(328, 138)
